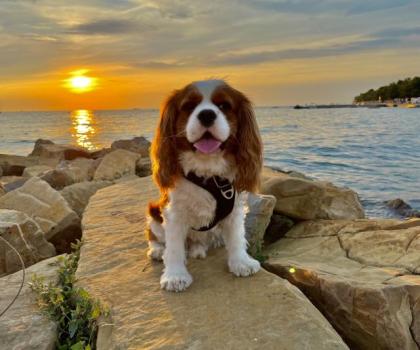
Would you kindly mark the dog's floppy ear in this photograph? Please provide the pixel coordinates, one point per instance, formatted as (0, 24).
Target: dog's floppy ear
(249, 154)
(164, 152)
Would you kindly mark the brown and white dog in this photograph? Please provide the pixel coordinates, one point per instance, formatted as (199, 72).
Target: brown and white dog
(207, 129)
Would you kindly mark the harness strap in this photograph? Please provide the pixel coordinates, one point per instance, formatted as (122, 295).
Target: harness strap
(221, 190)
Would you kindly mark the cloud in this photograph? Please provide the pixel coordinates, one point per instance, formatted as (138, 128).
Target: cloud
(105, 26)
(352, 7)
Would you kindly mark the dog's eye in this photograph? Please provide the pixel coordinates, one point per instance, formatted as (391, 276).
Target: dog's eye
(224, 106)
(188, 106)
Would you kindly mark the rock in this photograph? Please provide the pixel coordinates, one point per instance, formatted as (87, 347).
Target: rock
(48, 208)
(36, 170)
(279, 225)
(117, 164)
(78, 195)
(144, 167)
(47, 149)
(218, 311)
(15, 165)
(79, 169)
(70, 172)
(1, 171)
(23, 326)
(25, 235)
(137, 145)
(2, 190)
(306, 200)
(100, 153)
(15, 183)
(260, 209)
(363, 275)
(57, 179)
(402, 208)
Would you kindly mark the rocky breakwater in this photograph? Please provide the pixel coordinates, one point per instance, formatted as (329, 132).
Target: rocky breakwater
(362, 274)
(42, 200)
(217, 311)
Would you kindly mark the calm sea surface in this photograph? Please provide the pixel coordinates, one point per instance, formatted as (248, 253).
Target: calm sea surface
(373, 151)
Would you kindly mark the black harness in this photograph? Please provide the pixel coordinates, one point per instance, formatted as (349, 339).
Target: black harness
(221, 190)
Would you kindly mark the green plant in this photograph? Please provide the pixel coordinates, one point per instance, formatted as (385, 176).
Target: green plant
(74, 311)
(256, 252)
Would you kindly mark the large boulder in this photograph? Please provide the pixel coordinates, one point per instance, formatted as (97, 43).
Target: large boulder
(47, 149)
(402, 208)
(69, 172)
(24, 235)
(362, 274)
(137, 145)
(48, 208)
(78, 195)
(218, 311)
(15, 165)
(23, 326)
(304, 199)
(117, 164)
(259, 211)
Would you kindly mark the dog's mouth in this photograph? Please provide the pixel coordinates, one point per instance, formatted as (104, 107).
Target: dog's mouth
(207, 144)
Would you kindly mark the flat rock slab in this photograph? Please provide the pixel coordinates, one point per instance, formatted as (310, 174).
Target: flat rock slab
(362, 274)
(219, 311)
(23, 327)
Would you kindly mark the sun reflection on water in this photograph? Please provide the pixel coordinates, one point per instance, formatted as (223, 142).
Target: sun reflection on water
(83, 128)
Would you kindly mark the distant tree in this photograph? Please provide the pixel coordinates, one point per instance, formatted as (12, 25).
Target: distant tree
(406, 88)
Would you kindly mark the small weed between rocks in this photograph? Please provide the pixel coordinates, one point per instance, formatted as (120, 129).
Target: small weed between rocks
(74, 311)
(257, 252)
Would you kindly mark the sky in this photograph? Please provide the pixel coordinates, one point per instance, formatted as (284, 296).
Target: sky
(137, 51)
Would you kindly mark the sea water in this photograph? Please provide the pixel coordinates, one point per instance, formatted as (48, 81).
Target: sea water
(375, 152)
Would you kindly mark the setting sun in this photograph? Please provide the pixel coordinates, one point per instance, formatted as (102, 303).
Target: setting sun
(79, 82)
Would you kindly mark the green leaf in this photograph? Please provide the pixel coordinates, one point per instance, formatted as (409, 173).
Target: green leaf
(78, 346)
(73, 326)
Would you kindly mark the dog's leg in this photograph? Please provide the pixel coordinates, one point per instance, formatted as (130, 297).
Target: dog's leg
(156, 239)
(239, 262)
(175, 277)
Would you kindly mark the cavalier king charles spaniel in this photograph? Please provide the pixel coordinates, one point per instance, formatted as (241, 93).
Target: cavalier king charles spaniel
(206, 155)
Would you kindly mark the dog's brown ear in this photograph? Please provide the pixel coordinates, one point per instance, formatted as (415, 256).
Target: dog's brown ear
(164, 152)
(249, 154)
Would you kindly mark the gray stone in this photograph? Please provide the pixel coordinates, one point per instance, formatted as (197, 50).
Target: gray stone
(47, 149)
(260, 209)
(137, 145)
(15, 165)
(362, 275)
(78, 195)
(47, 207)
(36, 170)
(25, 235)
(23, 326)
(305, 199)
(218, 311)
(117, 164)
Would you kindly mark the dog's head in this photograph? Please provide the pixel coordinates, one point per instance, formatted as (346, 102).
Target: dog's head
(214, 121)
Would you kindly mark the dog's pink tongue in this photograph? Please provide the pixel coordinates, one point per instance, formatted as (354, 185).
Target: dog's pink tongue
(207, 146)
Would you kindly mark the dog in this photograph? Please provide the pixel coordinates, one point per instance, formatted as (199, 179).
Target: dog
(206, 155)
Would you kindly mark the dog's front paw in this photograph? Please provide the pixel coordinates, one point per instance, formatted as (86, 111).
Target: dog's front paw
(175, 281)
(244, 266)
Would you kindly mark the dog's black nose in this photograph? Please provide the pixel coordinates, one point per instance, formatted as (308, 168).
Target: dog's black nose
(207, 117)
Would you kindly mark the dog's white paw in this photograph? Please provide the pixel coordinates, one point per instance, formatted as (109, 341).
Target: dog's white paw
(156, 250)
(197, 251)
(244, 266)
(175, 281)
